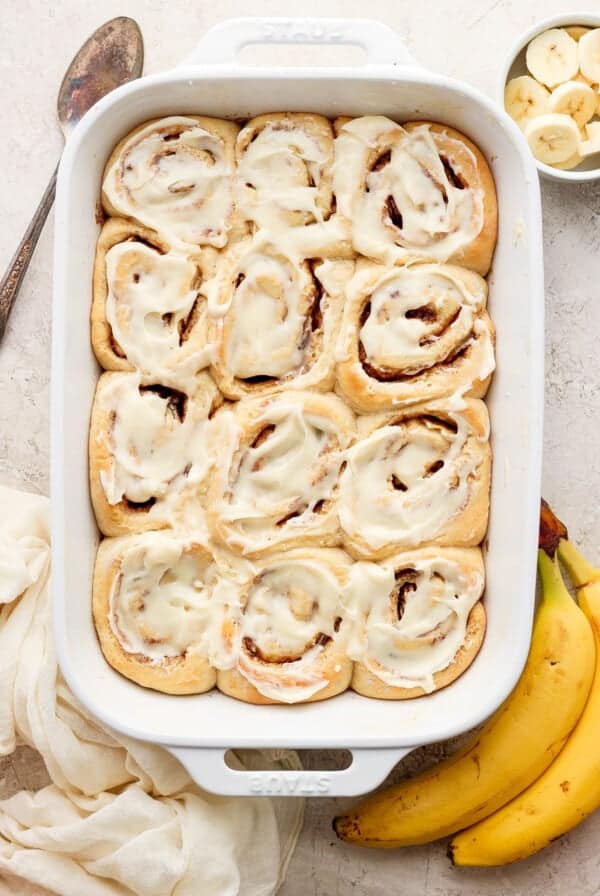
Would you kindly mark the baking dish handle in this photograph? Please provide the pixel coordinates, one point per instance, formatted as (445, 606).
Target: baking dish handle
(208, 768)
(222, 43)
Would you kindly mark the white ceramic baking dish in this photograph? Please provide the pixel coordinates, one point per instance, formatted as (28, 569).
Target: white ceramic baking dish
(198, 730)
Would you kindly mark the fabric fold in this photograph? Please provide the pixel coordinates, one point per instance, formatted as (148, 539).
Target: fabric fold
(121, 817)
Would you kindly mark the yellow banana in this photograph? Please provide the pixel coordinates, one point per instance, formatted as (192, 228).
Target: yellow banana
(569, 790)
(513, 748)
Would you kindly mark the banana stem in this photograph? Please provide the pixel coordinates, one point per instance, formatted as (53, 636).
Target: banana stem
(581, 572)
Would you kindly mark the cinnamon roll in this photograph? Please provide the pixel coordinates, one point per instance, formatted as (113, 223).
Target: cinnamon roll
(149, 455)
(275, 319)
(415, 476)
(415, 191)
(278, 464)
(412, 334)
(285, 634)
(417, 621)
(149, 310)
(153, 611)
(176, 176)
(285, 183)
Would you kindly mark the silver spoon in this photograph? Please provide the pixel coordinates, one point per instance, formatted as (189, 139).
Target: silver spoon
(113, 55)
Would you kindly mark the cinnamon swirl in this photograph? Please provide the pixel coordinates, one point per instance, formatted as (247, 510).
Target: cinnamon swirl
(153, 613)
(415, 191)
(149, 310)
(417, 476)
(149, 456)
(276, 481)
(275, 319)
(412, 334)
(176, 176)
(285, 631)
(417, 621)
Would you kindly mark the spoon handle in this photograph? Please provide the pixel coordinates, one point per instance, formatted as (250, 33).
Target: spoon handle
(11, 282)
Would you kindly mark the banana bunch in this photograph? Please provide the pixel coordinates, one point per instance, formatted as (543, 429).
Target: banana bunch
(533, 771)
(555, 103)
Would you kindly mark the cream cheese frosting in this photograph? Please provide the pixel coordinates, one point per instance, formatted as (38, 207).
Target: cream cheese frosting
(393, 186)
(285, 619)
(271, 300)
(281, 170)
(157, 447)
(285, 478)
(156, 312)
(419, 316)
(409, 614)
(274, 318)
(406, 479)
(177, 177)
(160, 601)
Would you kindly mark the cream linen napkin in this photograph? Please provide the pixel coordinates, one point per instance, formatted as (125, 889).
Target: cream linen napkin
(121, 817)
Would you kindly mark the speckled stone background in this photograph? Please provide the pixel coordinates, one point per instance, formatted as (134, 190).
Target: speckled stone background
(465, 38)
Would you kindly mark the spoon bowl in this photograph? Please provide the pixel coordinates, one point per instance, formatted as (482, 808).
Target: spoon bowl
(112, 56)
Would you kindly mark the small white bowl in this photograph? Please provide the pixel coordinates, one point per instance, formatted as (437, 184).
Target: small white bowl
(588, 169)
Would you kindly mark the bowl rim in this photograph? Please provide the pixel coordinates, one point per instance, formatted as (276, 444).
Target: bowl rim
(560, 20)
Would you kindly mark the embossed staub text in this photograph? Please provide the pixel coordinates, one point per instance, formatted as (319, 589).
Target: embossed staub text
(270, 784)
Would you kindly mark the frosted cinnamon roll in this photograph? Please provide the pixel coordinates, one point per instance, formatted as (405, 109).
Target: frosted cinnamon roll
(415, 476)
(149, 455)
(417, 621)
(275, 319)
(176, 176)
(149, 310)
(284, 633)
(153, 611)
(417, 191)
(285, 181)
(412, 334)
(278, 464)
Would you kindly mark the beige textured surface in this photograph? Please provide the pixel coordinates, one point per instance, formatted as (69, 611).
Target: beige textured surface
(469, 40)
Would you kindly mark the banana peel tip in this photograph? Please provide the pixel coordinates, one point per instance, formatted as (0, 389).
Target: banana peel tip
(552, 530)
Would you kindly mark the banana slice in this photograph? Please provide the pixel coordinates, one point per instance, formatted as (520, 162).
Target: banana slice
(524, 98)
(576, 31)
(589, 55)
(552, 138)
(571, 162)
(591, 145)
(575, 99)
(552, 57)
